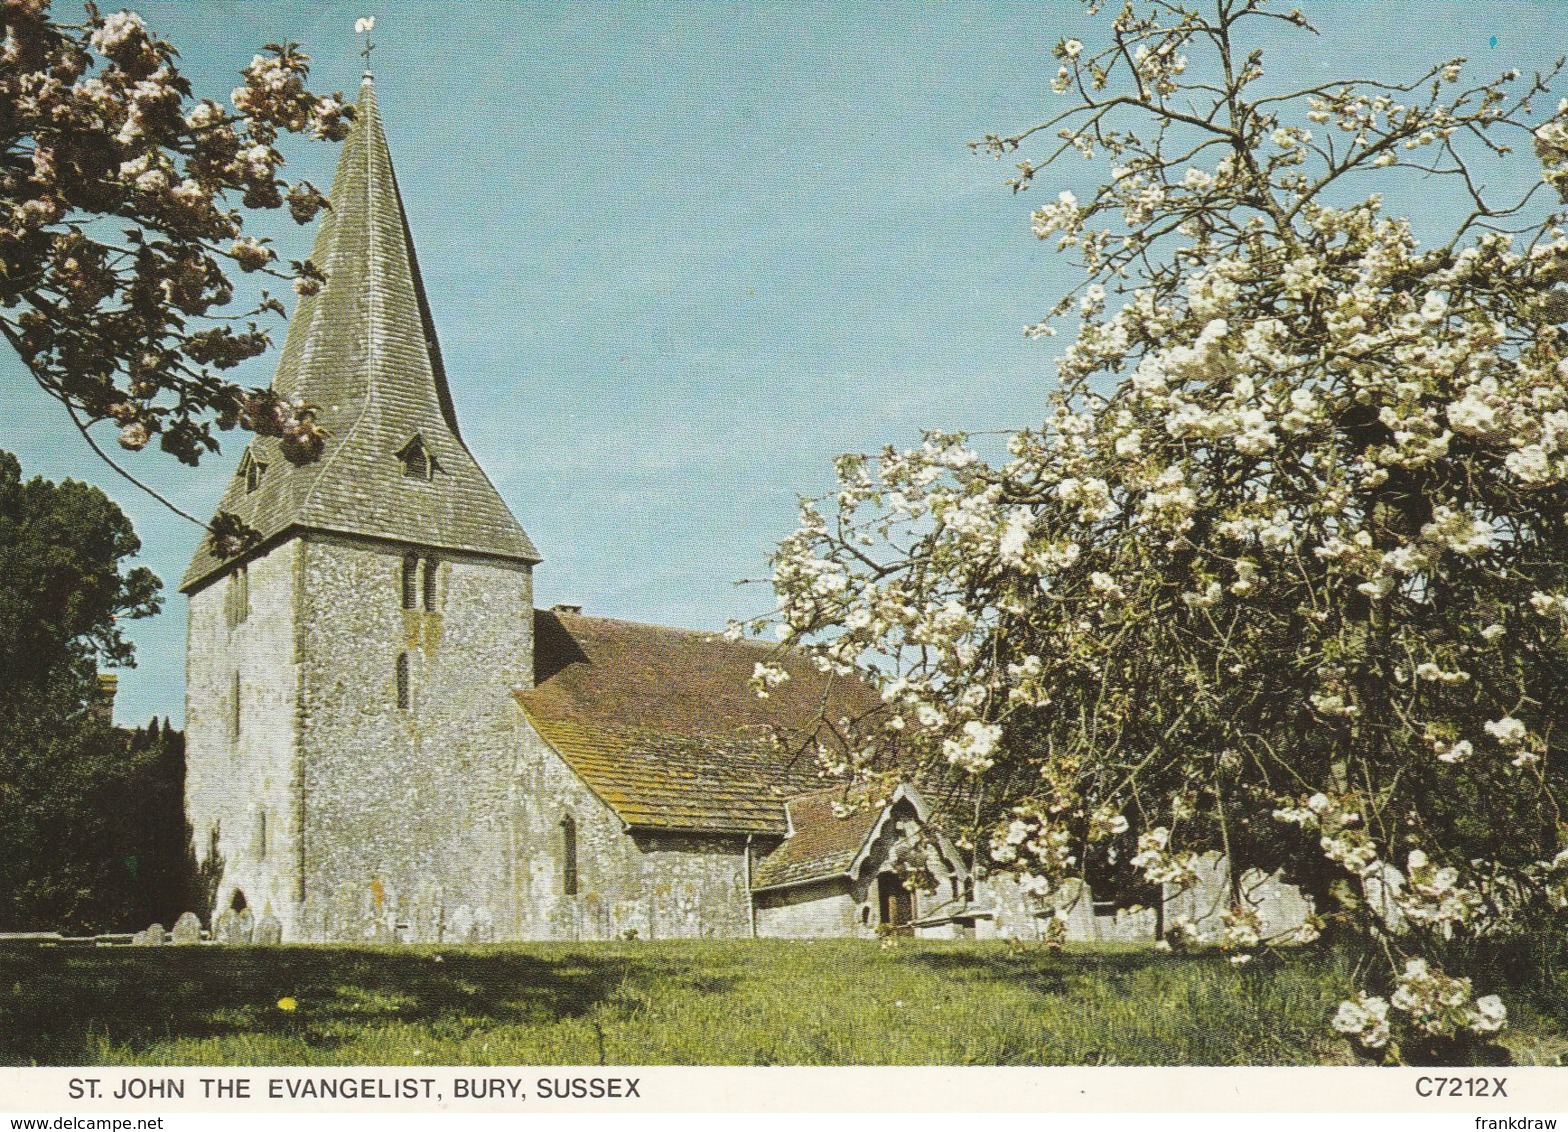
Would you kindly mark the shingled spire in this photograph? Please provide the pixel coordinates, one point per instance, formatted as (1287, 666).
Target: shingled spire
(364, 351)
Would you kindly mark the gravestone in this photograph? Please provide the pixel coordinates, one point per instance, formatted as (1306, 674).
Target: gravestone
(460, 928)
(234, 927)
(268, 931)
(187, 929)
(154, 935)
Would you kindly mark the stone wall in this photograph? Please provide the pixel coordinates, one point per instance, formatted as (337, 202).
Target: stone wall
(1281, 907)
(696, 886)
(826, 909)
(242, 776)
(647, 885)
(406, 830)
(1016, 915)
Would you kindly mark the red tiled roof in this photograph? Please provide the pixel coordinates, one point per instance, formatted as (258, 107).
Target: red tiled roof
(663, 725)
(679, 681)
(821, 844)
(698, 783)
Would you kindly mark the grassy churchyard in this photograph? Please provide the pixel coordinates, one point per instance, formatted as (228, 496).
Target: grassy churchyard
(838, 1002)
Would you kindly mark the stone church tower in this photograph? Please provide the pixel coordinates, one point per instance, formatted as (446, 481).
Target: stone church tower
(349, 710)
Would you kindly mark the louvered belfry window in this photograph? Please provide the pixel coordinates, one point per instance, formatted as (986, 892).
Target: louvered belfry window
(428, 580)
(411, 581)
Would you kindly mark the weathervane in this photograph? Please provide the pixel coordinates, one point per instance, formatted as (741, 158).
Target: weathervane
(362, 26)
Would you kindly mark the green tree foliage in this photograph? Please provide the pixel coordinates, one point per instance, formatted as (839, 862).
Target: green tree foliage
(63, 592)
(91, 818)
(93, 833)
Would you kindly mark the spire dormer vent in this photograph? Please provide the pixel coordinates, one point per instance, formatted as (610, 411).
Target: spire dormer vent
(419, 463)
(252, 470)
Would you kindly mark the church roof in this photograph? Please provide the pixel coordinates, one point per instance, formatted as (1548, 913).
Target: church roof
(821, 843)
(833, 829)
(663, 726)
(364, 351)
(693, 783)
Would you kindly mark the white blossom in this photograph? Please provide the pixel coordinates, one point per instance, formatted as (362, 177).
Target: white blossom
(972, 751)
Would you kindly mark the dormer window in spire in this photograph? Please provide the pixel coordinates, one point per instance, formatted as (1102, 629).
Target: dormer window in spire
(419, 463)
(252, 469)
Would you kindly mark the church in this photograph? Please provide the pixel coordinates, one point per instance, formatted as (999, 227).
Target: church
(388, 742)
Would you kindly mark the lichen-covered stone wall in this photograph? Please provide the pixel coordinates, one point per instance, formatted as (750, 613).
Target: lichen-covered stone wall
(242, 776)
(406, 828)
(1280, 907)
(696, 885)
(629, 885)
(810, 911)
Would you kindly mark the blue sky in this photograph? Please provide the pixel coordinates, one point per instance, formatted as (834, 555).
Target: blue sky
(681, 255)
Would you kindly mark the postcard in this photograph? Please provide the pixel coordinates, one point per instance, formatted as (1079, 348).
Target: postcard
(764, 557)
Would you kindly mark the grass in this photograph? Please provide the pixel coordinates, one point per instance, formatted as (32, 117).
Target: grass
(839, 1002)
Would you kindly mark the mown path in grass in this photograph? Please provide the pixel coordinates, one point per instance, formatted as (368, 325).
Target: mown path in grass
(837, 1002)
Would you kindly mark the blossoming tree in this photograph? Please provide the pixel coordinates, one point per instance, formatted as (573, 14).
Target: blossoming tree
(116, 225)
(1284, 574)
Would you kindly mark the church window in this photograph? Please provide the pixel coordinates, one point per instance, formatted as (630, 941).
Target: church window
(418, 461)
(261, 835)
(568, 856)
(428, 577)
(237, 599)
(405, 688)
(411, 581)
(234, 704)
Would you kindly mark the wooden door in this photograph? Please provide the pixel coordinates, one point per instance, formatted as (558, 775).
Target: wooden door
(897, 904)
